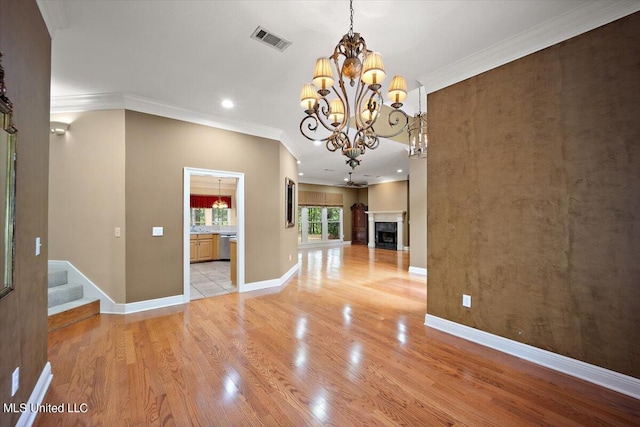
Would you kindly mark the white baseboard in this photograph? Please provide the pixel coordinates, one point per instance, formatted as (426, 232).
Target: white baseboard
(151, 304)
(595, 374)
(28, 417)
(272, 283)
(418, 270)
(324, 244)
(107, 305)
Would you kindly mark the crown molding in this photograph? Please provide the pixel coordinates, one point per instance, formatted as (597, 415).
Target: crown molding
(563, 27)
(82, 103)
(54, 15)
(119, 101)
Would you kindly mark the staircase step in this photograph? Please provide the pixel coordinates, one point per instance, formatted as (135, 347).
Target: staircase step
(66, 314)
(57, 278)
(64, 293)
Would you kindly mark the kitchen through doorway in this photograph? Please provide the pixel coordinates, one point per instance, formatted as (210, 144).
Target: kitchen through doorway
(213, 233)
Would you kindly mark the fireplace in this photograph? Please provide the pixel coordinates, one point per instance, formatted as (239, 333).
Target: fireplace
(386, 229)
(386, 235)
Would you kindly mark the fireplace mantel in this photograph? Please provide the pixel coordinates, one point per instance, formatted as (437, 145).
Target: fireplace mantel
(386, 216)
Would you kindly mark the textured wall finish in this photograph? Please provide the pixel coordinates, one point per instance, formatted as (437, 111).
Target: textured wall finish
(534, 199)
(26, 45)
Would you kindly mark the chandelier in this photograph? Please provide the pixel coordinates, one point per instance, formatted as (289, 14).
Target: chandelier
(220, 204)
(418, 132)
(365, 72)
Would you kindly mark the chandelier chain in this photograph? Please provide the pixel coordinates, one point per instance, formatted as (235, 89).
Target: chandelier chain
(351, 17)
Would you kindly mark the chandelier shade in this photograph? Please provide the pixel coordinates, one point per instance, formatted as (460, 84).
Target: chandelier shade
(397, 90)
(347, 121)
(308, 98)
(323, 75)
(373, 70)
(336, 112)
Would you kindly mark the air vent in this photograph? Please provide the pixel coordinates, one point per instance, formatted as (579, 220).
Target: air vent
(270, 39)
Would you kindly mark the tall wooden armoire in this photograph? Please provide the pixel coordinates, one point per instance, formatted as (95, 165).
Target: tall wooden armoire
(359, 224)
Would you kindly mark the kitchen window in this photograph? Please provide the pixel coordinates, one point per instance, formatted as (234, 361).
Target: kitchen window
(209, 216)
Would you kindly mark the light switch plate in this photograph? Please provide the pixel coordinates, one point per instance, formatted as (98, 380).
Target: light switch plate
(466, 300)
(157, 231)
(15, 381)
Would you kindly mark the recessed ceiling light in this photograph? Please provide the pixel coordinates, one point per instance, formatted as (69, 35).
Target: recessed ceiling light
(227, 103)
(317, 142)
(399, 170)
(346, 179)
(299, 162)
(300, 174)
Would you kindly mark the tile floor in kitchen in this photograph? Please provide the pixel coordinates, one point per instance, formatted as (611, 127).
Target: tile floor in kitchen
(210, 279)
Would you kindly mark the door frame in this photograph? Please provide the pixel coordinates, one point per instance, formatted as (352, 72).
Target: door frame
(188, 172)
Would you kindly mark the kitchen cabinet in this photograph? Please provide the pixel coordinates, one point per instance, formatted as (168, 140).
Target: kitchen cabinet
(203, 247)
(193, 248)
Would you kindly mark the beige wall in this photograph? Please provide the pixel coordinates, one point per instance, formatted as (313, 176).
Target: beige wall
(289, 236)
(87, 198)
(533, 199)
(26, 48)
(157, 150)
(391, 196)
(418, 212)
(131, 166)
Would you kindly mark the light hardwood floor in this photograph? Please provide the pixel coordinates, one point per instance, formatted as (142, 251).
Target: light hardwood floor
(342, 343)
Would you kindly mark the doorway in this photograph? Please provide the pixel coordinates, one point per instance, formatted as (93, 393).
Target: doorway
(191, 174)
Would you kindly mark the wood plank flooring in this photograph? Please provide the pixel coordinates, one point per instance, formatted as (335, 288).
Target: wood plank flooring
(342, 343)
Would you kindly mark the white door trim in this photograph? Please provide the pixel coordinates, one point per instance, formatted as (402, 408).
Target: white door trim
(187, 219)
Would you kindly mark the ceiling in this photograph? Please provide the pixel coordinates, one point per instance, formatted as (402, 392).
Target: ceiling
(180, 59)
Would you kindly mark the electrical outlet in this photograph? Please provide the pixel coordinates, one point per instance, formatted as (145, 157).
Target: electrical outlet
(466, 300)
(289, 257)
(117, 232)
(15, 381)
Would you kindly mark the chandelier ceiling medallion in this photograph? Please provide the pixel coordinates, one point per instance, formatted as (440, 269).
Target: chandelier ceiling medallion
(365, 71)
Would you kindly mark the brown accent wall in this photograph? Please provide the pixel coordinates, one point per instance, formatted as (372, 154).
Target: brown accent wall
(534, 199)
(157, 150)
(391, 196)
(26, 46)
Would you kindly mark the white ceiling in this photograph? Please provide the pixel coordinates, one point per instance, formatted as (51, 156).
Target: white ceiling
(182, 58)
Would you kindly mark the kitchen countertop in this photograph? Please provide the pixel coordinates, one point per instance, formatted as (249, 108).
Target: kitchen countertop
(230, 233)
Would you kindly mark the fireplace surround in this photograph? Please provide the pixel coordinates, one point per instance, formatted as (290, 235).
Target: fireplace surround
(386, 229)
